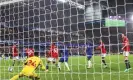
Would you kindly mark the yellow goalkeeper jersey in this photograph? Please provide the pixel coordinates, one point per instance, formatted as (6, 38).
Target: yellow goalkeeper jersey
(33, 63)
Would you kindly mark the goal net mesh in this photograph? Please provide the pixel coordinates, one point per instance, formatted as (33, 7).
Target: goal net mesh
(71, 23)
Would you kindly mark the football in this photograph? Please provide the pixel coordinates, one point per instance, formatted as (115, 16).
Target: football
(10, 69)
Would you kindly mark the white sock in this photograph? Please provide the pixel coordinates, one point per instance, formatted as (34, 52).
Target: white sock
(67, 65)
(89, 63)
(59, 65)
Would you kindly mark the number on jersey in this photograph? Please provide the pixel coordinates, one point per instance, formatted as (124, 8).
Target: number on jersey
(31, 63)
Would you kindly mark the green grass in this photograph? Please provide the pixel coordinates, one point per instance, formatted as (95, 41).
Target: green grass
(79, 71)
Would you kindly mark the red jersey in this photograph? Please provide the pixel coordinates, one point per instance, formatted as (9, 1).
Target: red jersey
(102, 48)
(30, 52)
(53, 51)
(14, 51)
(126, 44)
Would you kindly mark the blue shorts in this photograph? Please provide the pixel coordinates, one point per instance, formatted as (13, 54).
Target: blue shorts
(62, 59)
(89, 57)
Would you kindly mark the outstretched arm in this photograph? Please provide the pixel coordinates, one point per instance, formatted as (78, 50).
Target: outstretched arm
(42, 65)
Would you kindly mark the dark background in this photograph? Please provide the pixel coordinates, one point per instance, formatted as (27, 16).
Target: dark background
(34, 23)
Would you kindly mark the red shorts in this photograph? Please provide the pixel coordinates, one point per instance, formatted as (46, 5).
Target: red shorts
(15, 54)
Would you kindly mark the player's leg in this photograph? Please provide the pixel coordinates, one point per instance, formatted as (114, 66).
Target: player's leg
(13, 63)
(56, 62)
(66, 63)
(18, 60)
(65, 60)
(59, 63)
(16, 77)
(103, 60)
(47, 65)
(15, 59)
(89, 61)
(3, 56)
(48, 60)
(127, 63)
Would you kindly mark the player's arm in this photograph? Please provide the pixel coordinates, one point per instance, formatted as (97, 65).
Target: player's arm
(99, 47)
(42, 65)
(125, 45)
(25, 63)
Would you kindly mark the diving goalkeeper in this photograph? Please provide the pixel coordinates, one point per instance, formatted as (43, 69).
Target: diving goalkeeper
(29, 68)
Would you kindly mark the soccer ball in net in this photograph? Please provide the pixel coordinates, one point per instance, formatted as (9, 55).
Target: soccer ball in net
(10, 69)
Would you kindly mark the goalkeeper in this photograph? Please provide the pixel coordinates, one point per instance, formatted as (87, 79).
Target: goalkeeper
(29, 68)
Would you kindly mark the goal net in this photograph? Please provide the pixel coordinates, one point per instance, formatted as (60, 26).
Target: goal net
(75, 27)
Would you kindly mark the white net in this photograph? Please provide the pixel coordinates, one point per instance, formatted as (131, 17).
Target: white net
(75, 27)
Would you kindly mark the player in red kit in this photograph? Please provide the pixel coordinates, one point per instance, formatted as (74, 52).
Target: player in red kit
(15, 56)
(52, 55)
(126, 49)
(15, 52)
(29, 52)
(103, 52)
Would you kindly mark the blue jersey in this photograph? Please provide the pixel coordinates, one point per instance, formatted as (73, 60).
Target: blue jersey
(64, 53)
(89, 49)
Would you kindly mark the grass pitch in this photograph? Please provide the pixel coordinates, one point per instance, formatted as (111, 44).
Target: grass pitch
(79, 71)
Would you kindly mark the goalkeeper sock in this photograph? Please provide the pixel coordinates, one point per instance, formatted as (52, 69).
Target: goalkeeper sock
(67, 65)
(104, 62)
